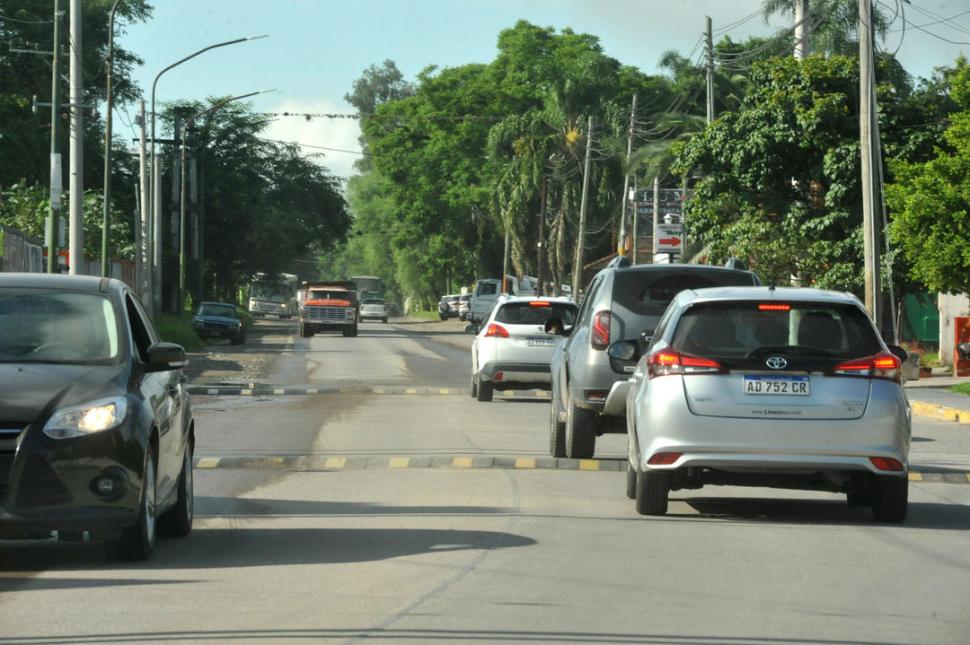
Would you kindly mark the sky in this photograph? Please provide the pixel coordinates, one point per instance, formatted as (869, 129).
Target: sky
(317, 48)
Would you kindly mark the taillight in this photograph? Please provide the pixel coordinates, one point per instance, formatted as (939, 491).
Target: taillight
(496, 331)
(664, 458)
(664, 363)
(601, 330)
(884, 366)
(887, 463)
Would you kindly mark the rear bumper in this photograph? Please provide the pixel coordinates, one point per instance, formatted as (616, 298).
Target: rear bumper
(510, 375)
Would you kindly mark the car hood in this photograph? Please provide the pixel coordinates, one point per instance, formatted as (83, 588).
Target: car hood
(31, 391)
(218, 319)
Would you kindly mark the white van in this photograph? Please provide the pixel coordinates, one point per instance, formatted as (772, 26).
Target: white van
(484, 297)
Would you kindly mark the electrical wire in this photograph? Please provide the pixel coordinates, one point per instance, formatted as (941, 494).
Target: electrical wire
(308, 145)
(22, 21)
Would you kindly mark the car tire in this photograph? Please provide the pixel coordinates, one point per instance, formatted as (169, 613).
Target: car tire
(384, 320)
(485, 391)
(303, 331)
(651, 493)
(177, 521)
(631, 481)
(890, 499)
(137, 542)
(236, 340)
(474, 388)
(858, 498)
(350, 332)
(443, 317)
(557, 431)
(580, 431)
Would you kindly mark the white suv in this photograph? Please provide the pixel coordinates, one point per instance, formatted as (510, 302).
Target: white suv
(511, 349)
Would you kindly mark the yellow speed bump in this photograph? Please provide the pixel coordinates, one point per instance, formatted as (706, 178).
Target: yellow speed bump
(525, 462)
(462, 462)
(335, 462)
(208, 462)
(915, 477)
(398, 462)
(589, 464)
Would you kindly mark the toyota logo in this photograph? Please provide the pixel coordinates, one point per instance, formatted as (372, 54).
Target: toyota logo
(776, 363)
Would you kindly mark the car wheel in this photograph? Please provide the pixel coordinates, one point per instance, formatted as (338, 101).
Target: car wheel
(177, 521)
(890, 498)
(485, 390)
(557, 431)
(303, 331)
(651, 493)
(236, 340)
(350, 332)
(631, 481)
(580, 431)
(858, 498)
(474, 388)
(443, 317)
(138, 540)
(384, 320)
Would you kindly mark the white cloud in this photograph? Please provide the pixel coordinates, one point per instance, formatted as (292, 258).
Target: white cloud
(318, 131)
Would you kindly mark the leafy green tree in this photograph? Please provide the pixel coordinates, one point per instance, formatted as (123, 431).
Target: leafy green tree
(834, 23)
(931, 201)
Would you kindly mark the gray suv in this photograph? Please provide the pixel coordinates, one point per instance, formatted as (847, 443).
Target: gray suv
(590, 371)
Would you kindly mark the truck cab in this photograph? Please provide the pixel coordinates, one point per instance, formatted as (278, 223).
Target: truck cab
(328, 306)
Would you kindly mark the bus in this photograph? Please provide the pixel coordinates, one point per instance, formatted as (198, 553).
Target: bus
(273, 294)
(368, 286)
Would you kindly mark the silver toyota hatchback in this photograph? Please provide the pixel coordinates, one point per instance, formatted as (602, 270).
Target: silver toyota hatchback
(757, 386)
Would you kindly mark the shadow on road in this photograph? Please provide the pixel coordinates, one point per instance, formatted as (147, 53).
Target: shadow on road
(921, 515)
(257, 507)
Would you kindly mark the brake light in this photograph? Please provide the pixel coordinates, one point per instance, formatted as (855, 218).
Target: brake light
(664, 458)
(539, 303)
(601, 330)
(884, 366)
(773, 307)
(496, 331)
(886, 463)
(665, 363)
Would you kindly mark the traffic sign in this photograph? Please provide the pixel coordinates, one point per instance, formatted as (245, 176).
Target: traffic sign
(668, 238)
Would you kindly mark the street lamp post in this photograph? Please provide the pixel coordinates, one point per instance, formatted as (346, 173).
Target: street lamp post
(106, 199)
(156, 242)
(185, 129)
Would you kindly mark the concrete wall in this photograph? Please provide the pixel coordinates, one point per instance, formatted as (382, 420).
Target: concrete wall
(950, 307)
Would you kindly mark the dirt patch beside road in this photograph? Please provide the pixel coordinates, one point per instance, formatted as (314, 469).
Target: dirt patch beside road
(250, 362)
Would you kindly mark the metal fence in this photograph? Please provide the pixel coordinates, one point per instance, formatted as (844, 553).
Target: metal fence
(20, 253)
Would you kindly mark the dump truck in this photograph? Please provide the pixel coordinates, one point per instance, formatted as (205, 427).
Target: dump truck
(328, 306)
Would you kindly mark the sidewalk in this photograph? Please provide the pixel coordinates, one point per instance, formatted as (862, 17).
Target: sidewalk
(931, 398)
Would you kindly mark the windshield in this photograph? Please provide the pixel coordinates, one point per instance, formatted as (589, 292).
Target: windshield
(57, 327)
(534, 313)
(226, 311)
(328, 294)
(372, 301)
(268, 291)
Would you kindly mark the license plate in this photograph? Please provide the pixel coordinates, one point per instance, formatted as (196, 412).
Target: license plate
(540, 341)
(781, 385)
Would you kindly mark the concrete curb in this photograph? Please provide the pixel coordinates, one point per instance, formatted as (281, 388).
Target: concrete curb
(323, 463)
(256, 389)
(941, 412)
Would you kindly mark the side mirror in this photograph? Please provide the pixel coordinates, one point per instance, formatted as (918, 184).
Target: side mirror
(556, 327)
(165, 356)
(899, 352)
(471, 329)
(624, 350)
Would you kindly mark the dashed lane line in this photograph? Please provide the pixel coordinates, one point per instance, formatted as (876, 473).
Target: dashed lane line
(479, 462)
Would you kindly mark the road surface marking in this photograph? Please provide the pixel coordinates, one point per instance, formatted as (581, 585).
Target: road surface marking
(212, 390)
(312, 390)
(378, 390)
(444, 390)
(335, 462)
(525, 462)
(589, 464)
(246, 392)
(915, 477)
(462, 462)
(278, 390)
(398, 462)
(410, 390)
(208, 462)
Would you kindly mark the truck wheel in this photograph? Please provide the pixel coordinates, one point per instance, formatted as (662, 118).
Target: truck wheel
(350, 332)
(384, 320)
(304, 332)
(651, 493)
(485, 390)
(580, 431)
(890, 498)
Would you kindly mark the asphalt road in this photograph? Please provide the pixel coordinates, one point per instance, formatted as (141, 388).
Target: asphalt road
(408, 534)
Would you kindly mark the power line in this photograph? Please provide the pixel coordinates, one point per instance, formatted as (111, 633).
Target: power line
(308, 145)
(26, 22)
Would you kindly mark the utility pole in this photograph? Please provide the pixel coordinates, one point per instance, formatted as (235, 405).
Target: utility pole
(540, 273)
(55, 187)
(106, 199)
(505, 261)
(868, 145)
(635, 255)
(143, 254)
(803, 31)
(626, 179)
(76, 245)
(656, 212)
(581, 236)
(710, 69)
(156, 219)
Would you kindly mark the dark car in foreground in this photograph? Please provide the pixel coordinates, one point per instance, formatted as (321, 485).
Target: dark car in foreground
(219, 320)
(96, 427)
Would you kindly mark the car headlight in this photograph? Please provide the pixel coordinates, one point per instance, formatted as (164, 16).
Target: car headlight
(284, 306)
(82, 420)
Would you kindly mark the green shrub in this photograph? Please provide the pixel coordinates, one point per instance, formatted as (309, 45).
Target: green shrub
(424, 315)
(962, 388)
(178, 329)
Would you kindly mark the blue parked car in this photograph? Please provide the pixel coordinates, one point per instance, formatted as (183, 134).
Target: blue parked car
(219, 320)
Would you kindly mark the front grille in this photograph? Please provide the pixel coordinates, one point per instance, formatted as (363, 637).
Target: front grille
(40, 486)
(329, 314)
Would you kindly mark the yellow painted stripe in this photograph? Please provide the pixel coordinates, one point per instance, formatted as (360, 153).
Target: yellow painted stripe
(208, 462)
(246, 392)
(378, 390)
(944, 413)
(335, 462)
(589, 464)
(312, 390)
(443, 390)
(915, 477)
(968, 477)
(462, 462)
(525, 462)
(398, 462)
(277, 461)
(410, 390)
(278, 390)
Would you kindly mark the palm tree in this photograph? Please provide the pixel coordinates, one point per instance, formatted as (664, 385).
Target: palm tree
(834, 23)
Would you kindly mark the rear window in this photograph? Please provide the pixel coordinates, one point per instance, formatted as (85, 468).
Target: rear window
(372, 301)
(487, 289)
(648, 293)
(747, 329)
(525, 313)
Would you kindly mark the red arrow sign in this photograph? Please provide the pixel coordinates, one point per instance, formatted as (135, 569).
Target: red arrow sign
(669, 241)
